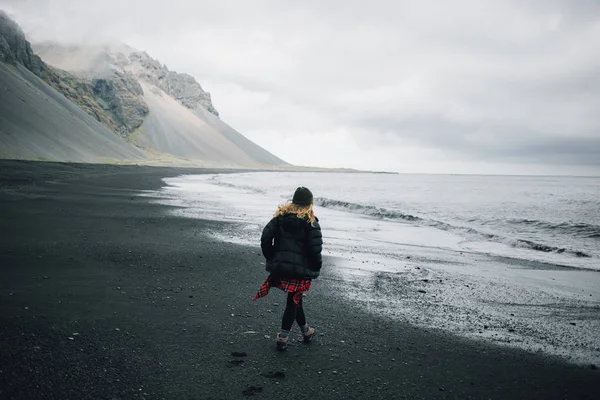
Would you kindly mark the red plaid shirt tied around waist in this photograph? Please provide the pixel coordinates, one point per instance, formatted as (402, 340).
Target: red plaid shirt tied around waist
(289, 285)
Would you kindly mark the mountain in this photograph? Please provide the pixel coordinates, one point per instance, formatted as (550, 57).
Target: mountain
(37, 121)
(151, 110)
(181, 118)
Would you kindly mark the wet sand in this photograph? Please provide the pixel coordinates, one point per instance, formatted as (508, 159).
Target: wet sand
(106, 295)
(535, 306)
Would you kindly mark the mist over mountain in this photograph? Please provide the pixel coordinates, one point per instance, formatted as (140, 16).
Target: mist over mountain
(128, 98)
(38, 122)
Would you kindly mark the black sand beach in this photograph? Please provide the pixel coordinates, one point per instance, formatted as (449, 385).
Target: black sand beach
(105, 296)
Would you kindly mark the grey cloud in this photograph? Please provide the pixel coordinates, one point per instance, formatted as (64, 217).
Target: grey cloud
(514, 144)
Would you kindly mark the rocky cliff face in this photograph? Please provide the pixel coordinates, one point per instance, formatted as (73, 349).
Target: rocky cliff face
(181, 87)
(122, 96)
(116, 101)
(106, 61)
(14, 48)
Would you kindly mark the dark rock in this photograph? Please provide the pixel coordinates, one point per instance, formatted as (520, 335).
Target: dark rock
(14, 48)
(121, 96)
(573, 323)
(239, 353)
(421, 291)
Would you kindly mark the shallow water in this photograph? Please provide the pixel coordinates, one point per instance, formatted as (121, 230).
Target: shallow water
(512, 260)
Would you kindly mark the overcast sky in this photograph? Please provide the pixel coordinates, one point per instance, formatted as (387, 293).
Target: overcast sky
(463, 86)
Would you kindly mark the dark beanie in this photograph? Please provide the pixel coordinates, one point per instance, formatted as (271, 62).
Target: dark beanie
(302, 197)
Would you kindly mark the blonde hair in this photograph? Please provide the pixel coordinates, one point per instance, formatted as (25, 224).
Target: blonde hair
(300, 211)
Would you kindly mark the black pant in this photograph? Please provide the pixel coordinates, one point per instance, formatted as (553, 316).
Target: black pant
(292, 312)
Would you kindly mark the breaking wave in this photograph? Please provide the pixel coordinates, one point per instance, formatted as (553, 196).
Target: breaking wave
(250, 189)
(579, 229)
(366, 210)
(382, 213)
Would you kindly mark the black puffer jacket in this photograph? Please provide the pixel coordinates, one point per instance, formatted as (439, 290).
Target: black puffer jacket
(292, 247)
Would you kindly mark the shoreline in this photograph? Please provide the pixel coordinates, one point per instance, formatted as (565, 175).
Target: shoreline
(191, 166)
(533, 305)
(108, 296)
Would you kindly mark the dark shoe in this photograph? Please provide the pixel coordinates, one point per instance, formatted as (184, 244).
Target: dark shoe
(309, 334)
(281, 343)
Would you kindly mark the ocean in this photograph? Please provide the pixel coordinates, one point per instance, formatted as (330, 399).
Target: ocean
(510, 259)
(549, 219)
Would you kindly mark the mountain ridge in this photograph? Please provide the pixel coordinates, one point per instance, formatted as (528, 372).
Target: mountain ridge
(157, 113)
(107, 59)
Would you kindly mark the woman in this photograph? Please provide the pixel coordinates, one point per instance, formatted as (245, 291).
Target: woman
(292, 243)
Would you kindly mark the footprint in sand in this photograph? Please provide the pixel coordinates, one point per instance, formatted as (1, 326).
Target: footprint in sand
(274, 375)
(252, 390)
